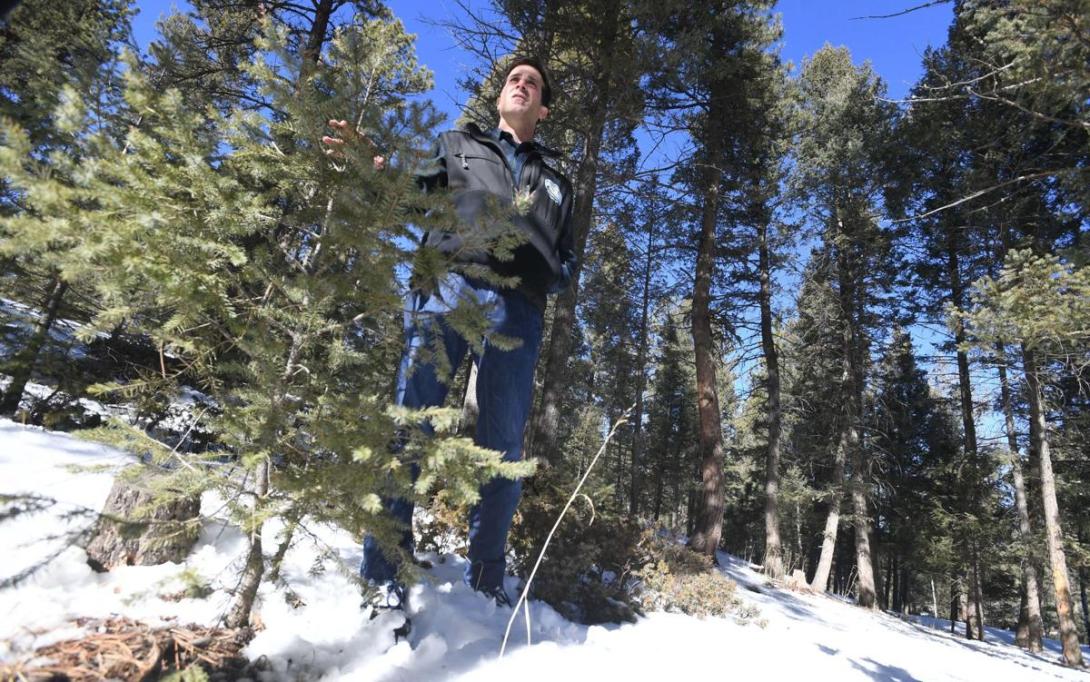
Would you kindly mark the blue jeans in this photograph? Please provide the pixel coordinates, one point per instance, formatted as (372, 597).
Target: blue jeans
(504, 392)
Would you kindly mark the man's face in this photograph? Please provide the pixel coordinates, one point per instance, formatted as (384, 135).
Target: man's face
(520, 99)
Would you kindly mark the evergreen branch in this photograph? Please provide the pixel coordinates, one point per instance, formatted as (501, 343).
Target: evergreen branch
(1036, 114)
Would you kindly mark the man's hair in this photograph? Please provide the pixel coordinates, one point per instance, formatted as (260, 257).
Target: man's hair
(520, 60)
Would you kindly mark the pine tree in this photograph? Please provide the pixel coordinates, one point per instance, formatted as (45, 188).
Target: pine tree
(1030, 626)
(50, 53)
(1002, 172)
(915, 447)
(1028, 303)
(672, 423)
(839, 171)
(708, 54)
(270, 275)
(814, 369)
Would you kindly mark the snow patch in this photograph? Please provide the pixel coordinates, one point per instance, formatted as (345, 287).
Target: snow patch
(318, 630)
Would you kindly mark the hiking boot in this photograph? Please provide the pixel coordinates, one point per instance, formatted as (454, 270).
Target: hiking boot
(391, 597)
(497, 593)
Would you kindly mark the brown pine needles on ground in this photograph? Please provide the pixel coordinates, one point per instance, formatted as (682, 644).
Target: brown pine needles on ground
(123, 649)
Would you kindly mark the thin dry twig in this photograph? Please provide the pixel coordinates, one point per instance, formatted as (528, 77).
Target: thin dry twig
(903, 12)
(541, 556)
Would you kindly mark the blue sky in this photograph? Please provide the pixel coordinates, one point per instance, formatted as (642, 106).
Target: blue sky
(893, 46)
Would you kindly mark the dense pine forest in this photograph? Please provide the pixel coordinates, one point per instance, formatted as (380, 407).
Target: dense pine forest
(845, 336)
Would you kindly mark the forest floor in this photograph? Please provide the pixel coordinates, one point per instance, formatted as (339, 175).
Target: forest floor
(310, 625)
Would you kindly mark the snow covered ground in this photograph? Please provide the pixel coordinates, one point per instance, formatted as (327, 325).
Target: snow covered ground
(456, 634)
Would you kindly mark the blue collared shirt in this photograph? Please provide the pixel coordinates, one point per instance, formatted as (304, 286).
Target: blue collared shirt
(515, 153)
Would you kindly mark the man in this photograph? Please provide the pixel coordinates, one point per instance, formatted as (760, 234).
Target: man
(503, 165)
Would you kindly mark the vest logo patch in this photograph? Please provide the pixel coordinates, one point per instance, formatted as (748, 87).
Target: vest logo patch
(554, 190)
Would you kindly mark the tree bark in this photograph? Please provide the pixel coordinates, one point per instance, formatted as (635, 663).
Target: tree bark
(832, 519)
(323, 11)
(850, 296)
(975, 624)
(904, 590)
(1082, 594)
(888, 587)
(26, 359)
(955, 604)
(773, 560)
(709, 526)
(1031, 612)
(1021, 630)
(1082, 591)
(1069, 637)
(975, 620)
(865, 590)
(934, 599)
(966, 605)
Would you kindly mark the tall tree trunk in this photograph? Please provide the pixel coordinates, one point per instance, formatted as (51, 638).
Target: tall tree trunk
(905, 589)
(966, 614)
(934, 599)
(1069, 636)
(692, 501)
(820, 581)
(641, 367)
(709, 526)
(546, 421)
(26, 359)
(865, 589)
(965, 394)
(876, 561)
(888, 585)
(955, 603)
(975, 609)
(1082, 594)
(851, 295)
(773, 561)
(1034, 627)
(1021, 629)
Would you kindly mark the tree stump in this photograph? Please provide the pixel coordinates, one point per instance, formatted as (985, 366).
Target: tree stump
(796, 582)
(135, 531)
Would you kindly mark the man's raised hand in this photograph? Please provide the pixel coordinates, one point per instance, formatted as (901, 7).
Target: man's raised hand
(344, 134)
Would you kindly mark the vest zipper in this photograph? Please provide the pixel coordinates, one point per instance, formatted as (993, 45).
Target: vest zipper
(488, 142)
